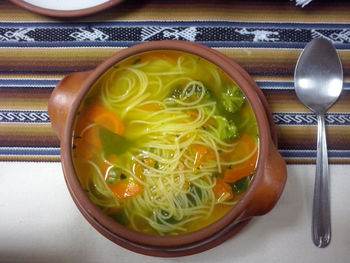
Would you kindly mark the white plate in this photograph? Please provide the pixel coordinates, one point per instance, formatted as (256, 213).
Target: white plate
(66, 8)
(66, 5)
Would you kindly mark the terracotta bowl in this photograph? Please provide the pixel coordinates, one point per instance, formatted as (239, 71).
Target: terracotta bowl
(263, 192)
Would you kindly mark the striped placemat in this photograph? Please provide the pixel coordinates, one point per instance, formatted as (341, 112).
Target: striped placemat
(265, 37)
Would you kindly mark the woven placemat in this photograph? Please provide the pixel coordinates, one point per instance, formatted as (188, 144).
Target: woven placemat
(264, 37)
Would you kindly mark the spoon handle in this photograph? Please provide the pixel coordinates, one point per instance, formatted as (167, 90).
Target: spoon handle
(321, 221)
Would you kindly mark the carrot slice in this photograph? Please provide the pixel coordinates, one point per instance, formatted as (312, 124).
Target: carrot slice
(124, 190)
(106, 119)
(245, 145)
(240, 171)
(87, 135)
(201, 154)
(222, 190)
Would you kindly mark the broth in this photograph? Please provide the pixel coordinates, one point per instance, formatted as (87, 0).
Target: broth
(165, 143)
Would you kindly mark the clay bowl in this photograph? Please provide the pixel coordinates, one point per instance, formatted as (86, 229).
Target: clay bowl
(261, 196)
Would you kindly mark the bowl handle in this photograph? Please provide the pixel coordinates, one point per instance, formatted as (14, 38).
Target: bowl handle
(62, 98)
(273, 180)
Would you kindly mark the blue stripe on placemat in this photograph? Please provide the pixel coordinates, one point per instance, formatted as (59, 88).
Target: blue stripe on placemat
(27, 83)
(287, 85)
(275, 85)
(16, 116)
(40, 151)
(302, 119)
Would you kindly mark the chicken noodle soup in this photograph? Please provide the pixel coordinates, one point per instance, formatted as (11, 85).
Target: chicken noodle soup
(165, 143)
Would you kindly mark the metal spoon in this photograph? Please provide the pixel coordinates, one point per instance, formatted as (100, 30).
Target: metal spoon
(318, 80)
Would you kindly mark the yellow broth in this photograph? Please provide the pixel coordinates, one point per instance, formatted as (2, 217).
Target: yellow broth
(165, 143)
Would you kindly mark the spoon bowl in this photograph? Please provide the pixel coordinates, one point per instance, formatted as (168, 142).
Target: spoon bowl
(318, 75)
(318, 81)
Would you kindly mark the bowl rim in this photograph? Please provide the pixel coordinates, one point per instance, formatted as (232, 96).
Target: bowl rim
(105, 223)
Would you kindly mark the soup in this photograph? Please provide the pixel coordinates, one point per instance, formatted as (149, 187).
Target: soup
(165, 143)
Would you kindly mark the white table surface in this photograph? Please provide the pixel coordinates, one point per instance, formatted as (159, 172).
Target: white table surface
(40, 223)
